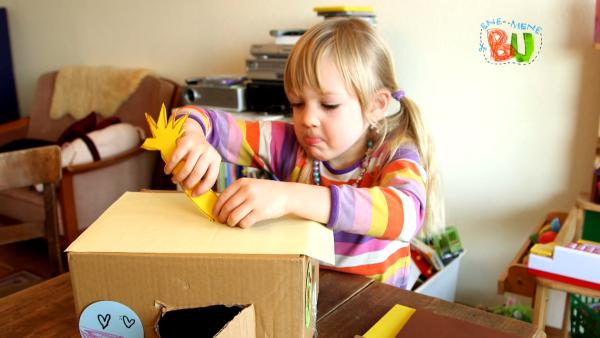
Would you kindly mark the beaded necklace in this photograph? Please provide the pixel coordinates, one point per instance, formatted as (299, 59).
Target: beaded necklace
(316, 170)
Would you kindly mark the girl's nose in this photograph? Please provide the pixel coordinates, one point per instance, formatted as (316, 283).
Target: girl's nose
(309, 117)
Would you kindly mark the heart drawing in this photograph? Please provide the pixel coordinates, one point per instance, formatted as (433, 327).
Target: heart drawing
(128, 322)
(104, 320)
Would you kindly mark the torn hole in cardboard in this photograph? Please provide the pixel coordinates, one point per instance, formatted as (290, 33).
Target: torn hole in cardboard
(222, 321)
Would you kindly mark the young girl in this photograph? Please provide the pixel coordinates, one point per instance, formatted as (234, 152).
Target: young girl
(342, 162)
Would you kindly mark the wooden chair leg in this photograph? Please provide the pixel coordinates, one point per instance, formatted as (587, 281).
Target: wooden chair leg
(566, 330)
(51, 225)
(67, 203)
(539, 310)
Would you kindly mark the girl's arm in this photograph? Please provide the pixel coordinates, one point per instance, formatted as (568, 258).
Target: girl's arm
(393, 208)
(310, 202)
(247, 201)
(269, 145)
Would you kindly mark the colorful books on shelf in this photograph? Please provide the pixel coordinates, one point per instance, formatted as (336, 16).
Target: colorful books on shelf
(231, 172)
(429, 257)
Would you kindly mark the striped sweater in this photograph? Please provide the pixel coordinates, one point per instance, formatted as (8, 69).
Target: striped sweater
(373, 223)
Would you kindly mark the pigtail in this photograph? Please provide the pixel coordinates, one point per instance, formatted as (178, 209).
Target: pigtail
(408, 123)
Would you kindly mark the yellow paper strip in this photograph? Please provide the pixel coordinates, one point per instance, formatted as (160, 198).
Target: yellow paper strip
(391, 323)
(205, 202)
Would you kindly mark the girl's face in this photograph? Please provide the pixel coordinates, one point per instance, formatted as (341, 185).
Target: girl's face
(330, 125)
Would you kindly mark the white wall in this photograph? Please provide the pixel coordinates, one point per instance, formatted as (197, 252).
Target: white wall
(514, 142)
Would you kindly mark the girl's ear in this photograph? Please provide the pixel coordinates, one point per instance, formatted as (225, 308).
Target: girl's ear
(380, 103)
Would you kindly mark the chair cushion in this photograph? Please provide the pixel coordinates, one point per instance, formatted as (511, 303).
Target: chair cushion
(110, 141)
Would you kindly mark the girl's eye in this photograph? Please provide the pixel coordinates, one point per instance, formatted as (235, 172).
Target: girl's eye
(329, 106)
(296, 104)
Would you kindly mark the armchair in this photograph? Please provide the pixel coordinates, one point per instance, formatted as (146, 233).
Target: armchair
(86, 190)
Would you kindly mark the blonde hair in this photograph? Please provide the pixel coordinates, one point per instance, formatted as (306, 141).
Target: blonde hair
(366, 66)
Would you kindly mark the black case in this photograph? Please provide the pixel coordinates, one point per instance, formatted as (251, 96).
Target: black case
(267, 96)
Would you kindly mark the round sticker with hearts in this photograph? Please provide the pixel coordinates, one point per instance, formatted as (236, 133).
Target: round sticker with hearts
(110, 319)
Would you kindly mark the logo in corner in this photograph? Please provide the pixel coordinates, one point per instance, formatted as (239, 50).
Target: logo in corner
(503, 42)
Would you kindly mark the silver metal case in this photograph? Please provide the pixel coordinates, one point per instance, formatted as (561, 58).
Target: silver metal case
(230, 98)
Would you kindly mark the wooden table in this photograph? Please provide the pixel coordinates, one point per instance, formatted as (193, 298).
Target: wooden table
(348, 305)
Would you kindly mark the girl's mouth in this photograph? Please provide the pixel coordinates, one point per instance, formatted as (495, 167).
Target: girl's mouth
(311, 141)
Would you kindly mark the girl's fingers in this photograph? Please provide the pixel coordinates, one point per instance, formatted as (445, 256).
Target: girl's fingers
(196, 174)
(207, 180)
(227, 202)
(250, 219)
(222, 199)
(171, 163)
(178, 154)
(238, 214)
(191, 161)
(202, 165)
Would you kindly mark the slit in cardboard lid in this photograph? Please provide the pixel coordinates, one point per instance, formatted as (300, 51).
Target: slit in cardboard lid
(222, 321)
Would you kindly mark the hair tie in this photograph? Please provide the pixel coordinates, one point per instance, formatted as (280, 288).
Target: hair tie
(398, 95)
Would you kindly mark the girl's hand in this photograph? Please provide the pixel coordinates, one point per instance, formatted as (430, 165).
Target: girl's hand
(200, 161)
(247, 201)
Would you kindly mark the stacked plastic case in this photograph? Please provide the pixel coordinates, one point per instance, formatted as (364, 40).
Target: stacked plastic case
(264, 69)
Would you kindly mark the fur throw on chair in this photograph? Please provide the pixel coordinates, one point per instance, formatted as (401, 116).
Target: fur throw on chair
(79, 90)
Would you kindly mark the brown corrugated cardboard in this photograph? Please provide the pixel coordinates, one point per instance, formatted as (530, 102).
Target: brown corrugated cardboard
(154, 248)
(242, 326)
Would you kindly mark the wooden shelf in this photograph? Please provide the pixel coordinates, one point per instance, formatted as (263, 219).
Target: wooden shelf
(583, 201)
(515, 278)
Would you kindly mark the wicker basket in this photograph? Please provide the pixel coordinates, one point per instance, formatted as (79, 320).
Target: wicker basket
(585, 320)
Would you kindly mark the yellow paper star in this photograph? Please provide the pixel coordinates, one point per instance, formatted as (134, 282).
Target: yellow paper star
(165, 134)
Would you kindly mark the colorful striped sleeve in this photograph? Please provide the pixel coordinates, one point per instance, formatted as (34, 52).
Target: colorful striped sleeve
(269, 145)
(391, 208)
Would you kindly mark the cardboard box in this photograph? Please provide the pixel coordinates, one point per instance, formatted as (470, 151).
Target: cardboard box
(153, 249)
